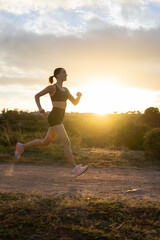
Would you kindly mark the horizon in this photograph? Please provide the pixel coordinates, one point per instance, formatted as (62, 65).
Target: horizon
(100, 114)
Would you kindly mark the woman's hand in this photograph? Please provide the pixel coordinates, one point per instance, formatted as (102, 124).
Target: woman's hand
(79, 94)
(41, 110)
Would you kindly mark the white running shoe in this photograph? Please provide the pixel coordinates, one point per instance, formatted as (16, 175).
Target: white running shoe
(19, 150)
(78, 170)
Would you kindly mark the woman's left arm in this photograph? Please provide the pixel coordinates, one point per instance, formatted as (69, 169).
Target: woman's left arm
(76, 100)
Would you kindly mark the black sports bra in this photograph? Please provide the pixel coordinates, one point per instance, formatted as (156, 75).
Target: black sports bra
(60, 96)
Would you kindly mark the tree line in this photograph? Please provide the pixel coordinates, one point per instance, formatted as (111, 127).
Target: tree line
(134, 130)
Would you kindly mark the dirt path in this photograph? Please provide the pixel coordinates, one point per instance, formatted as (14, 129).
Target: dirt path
(96, 182)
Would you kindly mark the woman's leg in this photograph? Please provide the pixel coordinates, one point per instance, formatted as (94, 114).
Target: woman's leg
(59, 129)
(50, 136)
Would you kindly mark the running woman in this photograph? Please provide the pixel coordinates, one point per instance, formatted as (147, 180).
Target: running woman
(59, 96)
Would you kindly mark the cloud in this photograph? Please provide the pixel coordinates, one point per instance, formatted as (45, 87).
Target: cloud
(19, 6)
(132, 57)
(133, 14)
(89, 38)
(25, 6)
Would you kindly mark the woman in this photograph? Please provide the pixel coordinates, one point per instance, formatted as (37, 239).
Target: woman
(59, 96)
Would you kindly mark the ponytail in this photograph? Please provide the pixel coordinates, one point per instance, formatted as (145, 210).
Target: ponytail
(51, 79)
(56, 72)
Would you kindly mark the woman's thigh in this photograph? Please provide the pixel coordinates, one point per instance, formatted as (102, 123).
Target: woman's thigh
(50, 136)
(61, 132)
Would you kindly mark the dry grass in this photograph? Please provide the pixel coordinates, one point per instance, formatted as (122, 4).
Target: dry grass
(96, 157)
(31, 217)
(114, 158)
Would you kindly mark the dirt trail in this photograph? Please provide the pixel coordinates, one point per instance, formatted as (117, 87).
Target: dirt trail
(96, 182)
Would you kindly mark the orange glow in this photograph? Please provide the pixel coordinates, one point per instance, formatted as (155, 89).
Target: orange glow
(102, 97)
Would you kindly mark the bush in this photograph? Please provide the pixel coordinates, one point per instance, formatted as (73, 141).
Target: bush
(152, 142)
(152, 117)
(130, 134)
(9, 137)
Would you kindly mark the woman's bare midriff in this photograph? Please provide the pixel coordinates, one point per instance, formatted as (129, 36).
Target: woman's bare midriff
(59, 104)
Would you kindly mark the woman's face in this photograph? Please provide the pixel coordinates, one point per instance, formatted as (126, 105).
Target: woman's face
(62, 75)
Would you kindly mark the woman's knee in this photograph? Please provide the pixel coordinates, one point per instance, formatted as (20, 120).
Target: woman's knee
(45, 142)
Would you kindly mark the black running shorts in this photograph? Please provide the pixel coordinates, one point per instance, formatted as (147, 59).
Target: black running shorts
(56, 116)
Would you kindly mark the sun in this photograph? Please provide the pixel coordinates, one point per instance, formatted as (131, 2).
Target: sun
(99, 97)
(104, 96)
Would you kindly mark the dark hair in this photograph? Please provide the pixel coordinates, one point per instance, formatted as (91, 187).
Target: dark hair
(51, 79)
(56, 72)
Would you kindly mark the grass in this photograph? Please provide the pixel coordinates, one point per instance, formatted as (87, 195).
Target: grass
(48, 217)
(25, 216)
(97, 157)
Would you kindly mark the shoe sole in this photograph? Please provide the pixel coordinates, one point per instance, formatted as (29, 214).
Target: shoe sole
(18, 152)
(83, 171)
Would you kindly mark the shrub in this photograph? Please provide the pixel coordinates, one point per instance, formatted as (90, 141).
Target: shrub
(130, 134)
(152, 117)
(9, 137)
(152, 142)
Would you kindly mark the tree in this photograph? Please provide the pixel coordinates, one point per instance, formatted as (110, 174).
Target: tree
(152, 143)
(152, 117)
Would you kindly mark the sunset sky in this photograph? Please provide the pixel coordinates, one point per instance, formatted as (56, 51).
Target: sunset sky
(110, 50)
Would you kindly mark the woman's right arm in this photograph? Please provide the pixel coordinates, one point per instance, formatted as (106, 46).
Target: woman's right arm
(48, 89)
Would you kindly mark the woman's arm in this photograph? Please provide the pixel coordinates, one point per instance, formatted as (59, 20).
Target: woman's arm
(75, 101)
(48, 89)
